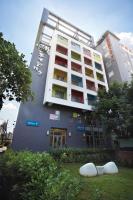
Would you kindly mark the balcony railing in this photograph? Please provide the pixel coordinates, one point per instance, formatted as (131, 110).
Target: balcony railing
(60, 61)
(60, 75)
(77, 81)
(101, 87)
(100, 77)
(77, 96)
(98, 66)
(76, 67)
(90, 85)
(75, 56)
(62, 40)
(91, 99)
(61, 50)
(86, 52)
(89, 73)
(59, 92)
(87, 61)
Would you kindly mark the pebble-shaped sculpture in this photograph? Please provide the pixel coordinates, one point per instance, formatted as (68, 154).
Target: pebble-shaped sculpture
(88, 169)
(110, 168)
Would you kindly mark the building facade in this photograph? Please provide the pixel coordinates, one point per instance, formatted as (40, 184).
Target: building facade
(118, 59)
(66, 74)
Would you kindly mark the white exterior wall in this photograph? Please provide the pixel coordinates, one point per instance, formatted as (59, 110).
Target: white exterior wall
(50, 80)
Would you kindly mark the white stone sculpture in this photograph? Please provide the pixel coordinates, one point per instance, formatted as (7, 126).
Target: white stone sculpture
(88, 169)
(110, 168)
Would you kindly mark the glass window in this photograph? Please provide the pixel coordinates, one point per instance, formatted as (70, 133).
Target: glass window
(61, 49)
(87, 61)
(75, 46)
(62, 40)
(98, 66)
(111, 74)
(59, 92)
(75, 56)
(97, 57)
(60, 61)
(77, 80)
(86, 52)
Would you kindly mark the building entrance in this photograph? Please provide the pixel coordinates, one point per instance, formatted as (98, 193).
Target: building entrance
(58, 137)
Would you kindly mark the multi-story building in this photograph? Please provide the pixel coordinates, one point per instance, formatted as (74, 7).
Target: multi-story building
(66, 74)
(118, 59)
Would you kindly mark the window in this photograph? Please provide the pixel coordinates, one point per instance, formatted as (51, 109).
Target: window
(75, 56)
(77, 96)
(89, 72)
(110, 74)
(60, 75)
(75, 46)
(77, 80)
(87, 61)
(61, 50)
(100, 77)
(98, 66)
(76, 67)
(59, 92)
(90, 85)
(86, 52)
(97, 57)
(62, 40)
(91, 99)
(60, 61)
(101, 87)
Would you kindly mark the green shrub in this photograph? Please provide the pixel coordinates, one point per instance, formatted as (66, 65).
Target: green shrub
(69, 155)
(33, 176)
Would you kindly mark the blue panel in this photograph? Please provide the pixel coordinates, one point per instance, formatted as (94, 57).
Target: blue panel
(32, 123)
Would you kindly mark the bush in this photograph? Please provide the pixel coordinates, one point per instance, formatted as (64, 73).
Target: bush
(33, 176)
(69, 155)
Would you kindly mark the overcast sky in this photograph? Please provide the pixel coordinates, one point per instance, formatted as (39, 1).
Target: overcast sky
(19, 21)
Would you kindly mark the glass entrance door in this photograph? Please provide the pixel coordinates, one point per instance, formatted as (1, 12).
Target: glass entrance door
(57, 137)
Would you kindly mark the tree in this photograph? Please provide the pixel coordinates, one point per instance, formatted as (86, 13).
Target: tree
(114, 108)
(15, 76)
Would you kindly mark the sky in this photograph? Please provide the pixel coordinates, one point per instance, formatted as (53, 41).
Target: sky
(19, 21)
